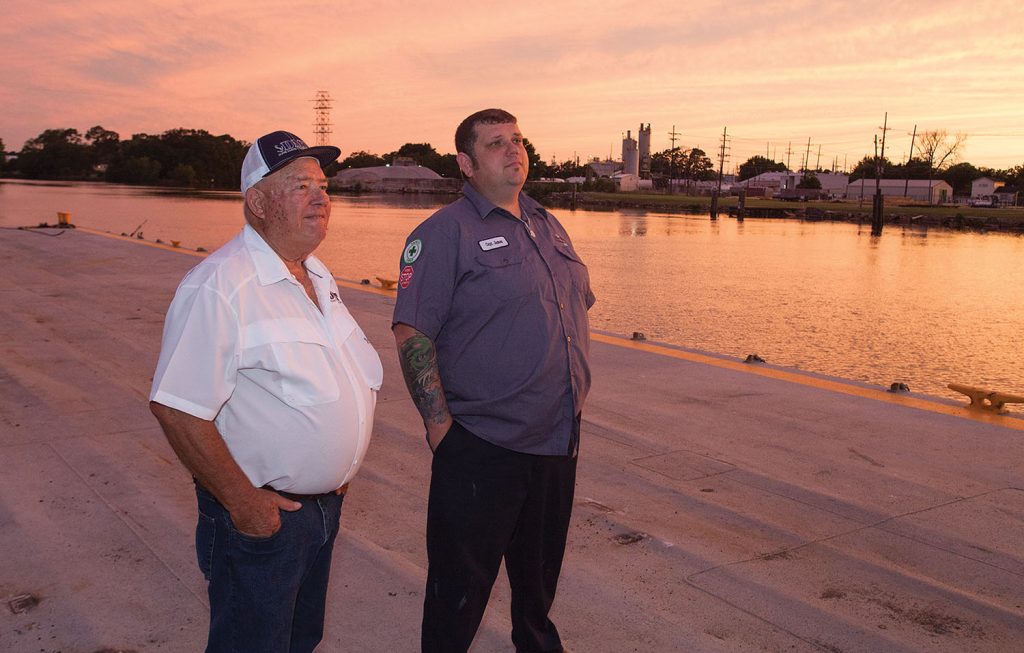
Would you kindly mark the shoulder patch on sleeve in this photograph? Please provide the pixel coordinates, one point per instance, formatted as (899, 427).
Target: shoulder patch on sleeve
(405, 278)
(412, 251)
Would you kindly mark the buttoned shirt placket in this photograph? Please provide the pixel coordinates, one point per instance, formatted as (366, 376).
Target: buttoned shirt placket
(567, 335)
(324, 317)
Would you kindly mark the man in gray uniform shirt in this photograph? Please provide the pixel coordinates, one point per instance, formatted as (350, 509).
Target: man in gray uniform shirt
(493, 337)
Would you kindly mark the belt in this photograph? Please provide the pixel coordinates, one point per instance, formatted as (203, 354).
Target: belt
(291, 496)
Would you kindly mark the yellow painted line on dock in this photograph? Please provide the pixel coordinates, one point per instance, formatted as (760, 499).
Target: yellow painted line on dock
(140, 241)
(814, 382)
(736, 366)
(163, 246)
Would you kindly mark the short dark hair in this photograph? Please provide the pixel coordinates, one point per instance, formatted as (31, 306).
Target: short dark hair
(465, 134)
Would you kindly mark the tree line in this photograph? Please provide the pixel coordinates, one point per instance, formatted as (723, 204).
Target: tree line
(194, 158)
(190, 158)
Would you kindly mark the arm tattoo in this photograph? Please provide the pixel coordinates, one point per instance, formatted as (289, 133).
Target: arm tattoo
(422, 377)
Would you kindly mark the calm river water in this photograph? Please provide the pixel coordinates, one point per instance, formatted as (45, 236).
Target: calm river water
(922, 307)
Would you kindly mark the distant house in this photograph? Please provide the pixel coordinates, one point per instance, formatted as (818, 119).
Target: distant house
(393, 179)
(921, 190)
(984, 186)
(1008, 196)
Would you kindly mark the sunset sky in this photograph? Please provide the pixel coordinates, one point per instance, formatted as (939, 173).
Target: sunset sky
(577, 74)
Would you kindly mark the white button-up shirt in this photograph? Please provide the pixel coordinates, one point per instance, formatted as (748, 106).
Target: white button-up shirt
(291, 389)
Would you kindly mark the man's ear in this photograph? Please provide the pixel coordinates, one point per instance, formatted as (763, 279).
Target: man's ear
(256, 202)
(465, 164)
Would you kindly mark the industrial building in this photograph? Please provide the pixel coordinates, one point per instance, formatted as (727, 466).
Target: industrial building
(393, 179)
(630, 156)
(833, 184)
(921, 190)
(636, 154)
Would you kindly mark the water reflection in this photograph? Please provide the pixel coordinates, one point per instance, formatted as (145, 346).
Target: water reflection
(921, 307)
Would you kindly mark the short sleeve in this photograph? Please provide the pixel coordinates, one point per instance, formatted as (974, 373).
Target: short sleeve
(199, 353)
(426, 279)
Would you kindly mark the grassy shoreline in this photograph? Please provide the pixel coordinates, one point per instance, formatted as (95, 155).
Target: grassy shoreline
(896, 211)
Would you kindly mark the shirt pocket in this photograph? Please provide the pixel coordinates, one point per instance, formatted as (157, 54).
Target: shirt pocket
(578, 273)
(502, 276)
(292, 360)
(366, 359)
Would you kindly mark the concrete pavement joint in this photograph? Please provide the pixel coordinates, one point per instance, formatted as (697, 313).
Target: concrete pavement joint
(131, 527)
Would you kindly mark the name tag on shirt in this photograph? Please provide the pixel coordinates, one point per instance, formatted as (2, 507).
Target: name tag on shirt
(493, 243)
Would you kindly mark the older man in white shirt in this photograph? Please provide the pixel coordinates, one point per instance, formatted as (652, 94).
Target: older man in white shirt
(266, 388)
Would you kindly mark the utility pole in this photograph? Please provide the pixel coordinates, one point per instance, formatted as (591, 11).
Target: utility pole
(721, 170)
(906, 170)
(876, 214)
(807, 154)
(322, 118)
(789, 151)
(672, 135)
(817, 163)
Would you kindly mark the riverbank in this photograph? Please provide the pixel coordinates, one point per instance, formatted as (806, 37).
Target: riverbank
(1009, 219)
(720, 507)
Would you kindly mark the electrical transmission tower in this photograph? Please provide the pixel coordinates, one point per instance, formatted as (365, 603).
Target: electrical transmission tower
(322, 117)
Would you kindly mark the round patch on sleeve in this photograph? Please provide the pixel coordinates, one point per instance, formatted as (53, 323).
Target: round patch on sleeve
(412, 252)
(405, 278)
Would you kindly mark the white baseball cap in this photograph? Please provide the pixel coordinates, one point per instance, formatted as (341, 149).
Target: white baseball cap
(277, 149)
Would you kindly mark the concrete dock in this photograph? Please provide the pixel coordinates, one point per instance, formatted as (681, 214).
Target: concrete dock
(720, 507)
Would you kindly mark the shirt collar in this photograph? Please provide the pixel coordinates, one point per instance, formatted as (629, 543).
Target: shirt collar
(270, 267)
(484, 207)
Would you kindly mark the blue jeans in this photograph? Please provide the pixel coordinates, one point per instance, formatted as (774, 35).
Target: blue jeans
(267, 594)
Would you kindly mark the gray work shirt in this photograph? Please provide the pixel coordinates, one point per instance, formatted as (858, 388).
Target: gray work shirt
(505, 303)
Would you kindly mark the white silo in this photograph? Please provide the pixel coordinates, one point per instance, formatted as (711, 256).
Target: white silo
(630, 155)
(645, 150)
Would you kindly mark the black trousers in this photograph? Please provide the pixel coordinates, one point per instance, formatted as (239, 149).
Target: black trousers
(487, 502)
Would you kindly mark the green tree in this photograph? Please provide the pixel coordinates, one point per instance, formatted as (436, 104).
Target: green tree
(448, 166)
(758, 164)
(537, 166)
(809, 180)
(666, 162)
(183, 175)
(569, 168)
(1014, 177)
(134, 170)
(867, 168)
(103, 143)
(960, 176)
(696, 165)
(361, 159)
(215, 161)
(3, 157)
(55, 154)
